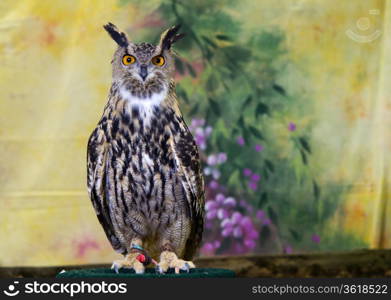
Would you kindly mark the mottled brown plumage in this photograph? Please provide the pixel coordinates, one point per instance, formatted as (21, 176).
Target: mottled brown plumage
(144, 173)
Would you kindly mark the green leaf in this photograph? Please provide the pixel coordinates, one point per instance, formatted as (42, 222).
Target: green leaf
(234, 179)
(269, 165)
(246, 134)
(265, 233)
(265, 174)
(236, 55)
(241, 122)
(182, 94)
(191, 70)
(316, 189)
(247, 101)
(223, 37)
(215, 106)
(193, 110)
(272, 215)
(303, 157)
(304, 143)
(209, 41)
(261, 109)
(295, 235)
(211, 83)
(262, 200)
(279, 89)
(208, 54)
(256, 132)
(221, 128)
(220, 142)
(179, 66)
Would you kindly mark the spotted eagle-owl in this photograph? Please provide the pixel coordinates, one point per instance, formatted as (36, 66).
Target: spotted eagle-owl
(144, 173)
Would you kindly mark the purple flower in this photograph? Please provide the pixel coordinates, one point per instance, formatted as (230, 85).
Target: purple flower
(258, 148)
(207, 248)
(220, 198)
(200, 141)
(212, 160)
(288, 249)
(266, 222)
(209, 205)
(292, 126)
(315, 238)
(211, 214)
(213, 184)
(226, 231)
(260, 214)
(236, 217)
(230, 201)
(255, 177)
(226, 223)
(240, 141)
(217, 244)
(216, 174)
(252, 185)
(238, 232)
(208, 130)
(249, 243)
(246, 223)
(238, 248)
(221, 157)
(253, 234)
(197, 122)
(208, 225)
(222, 213)
(247, 172)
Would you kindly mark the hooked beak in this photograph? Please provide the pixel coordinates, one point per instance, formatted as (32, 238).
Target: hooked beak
(143, 72)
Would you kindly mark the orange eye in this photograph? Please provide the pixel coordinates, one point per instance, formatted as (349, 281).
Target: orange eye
(158, 60)
(128, 60)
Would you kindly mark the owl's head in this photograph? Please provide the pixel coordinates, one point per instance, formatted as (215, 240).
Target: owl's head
(143, 69)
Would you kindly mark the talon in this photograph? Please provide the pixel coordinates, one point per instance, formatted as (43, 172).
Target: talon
(158, 269)
(115, 267)
(187, 267)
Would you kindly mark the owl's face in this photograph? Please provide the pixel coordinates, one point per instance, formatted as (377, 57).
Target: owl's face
(143, 69)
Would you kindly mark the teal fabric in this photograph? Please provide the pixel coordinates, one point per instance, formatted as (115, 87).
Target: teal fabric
(149, 273)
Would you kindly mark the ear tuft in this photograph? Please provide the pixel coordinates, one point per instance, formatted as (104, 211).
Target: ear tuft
(170, 36)
(119, 37)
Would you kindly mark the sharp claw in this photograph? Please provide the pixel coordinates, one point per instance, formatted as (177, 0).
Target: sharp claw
(115, 267)
(185, 267)
(158, 269)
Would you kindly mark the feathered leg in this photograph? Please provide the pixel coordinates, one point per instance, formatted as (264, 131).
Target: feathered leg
(168, 259)
(137, 259)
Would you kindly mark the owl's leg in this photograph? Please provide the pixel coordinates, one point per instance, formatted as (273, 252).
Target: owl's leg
(136, 259)
(168, 259)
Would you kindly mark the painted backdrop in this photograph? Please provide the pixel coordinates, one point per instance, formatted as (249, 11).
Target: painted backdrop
(288, 102)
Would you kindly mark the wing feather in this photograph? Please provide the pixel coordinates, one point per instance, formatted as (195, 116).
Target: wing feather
(97, 158)
(189, 164)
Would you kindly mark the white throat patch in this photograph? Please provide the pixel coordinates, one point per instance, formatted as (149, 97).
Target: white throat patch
(145, 105)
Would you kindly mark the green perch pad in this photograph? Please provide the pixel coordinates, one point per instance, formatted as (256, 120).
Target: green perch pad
(149, 273)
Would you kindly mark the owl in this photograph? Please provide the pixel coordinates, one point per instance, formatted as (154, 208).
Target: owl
(144, 173)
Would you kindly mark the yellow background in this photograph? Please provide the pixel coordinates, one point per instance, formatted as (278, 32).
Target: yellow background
(55, 74)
